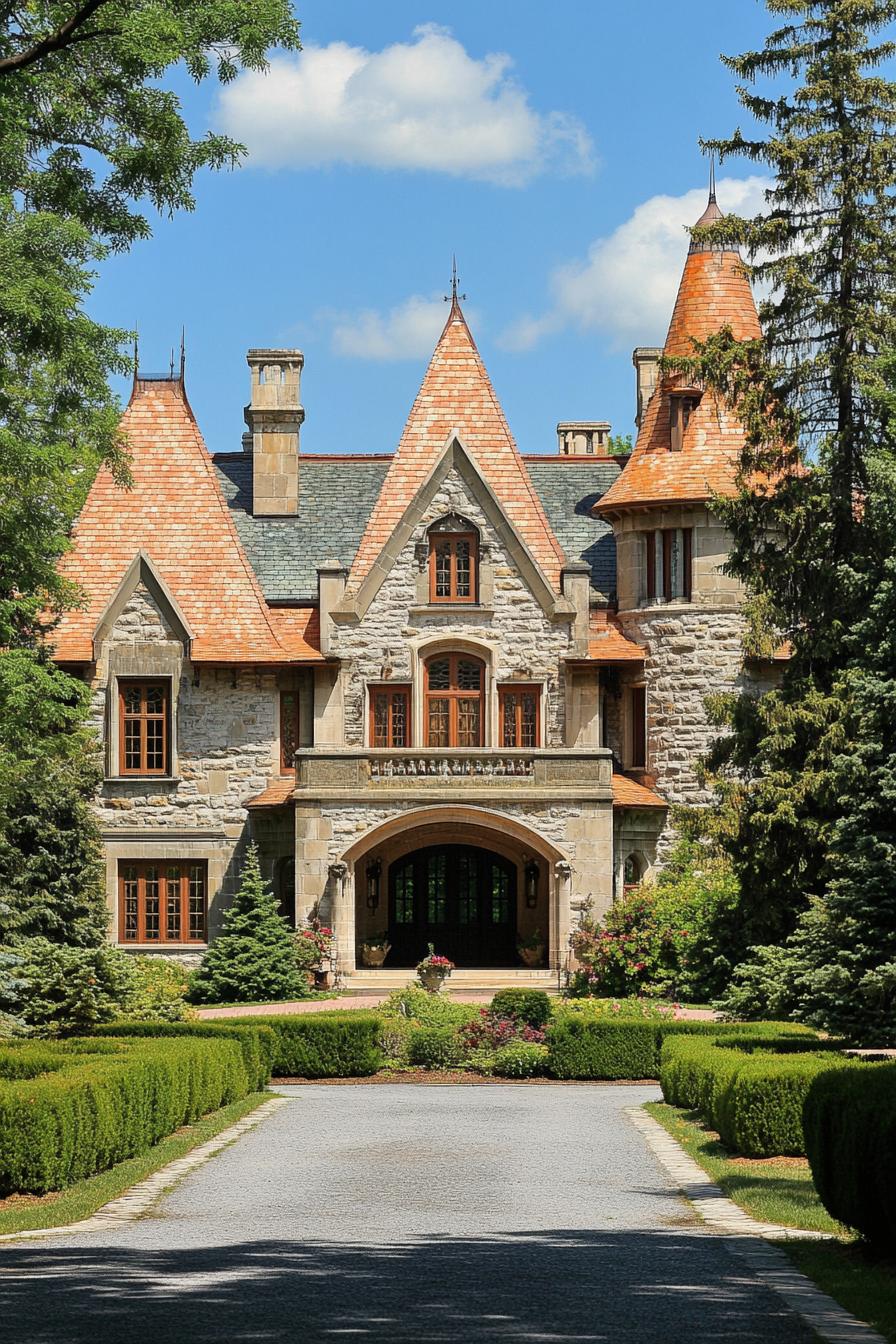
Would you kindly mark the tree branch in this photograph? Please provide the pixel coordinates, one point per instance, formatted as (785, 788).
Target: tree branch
(63, 37)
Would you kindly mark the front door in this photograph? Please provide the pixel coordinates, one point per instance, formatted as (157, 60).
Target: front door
(457, 897)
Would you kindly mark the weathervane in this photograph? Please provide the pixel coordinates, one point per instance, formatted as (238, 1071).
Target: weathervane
(453, 297)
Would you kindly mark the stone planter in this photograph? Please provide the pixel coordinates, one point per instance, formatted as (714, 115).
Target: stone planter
(532, 956)
(322, 979)
(374, 955)
(432, 979)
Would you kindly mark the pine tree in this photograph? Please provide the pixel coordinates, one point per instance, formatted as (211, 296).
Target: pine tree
(253, 958)
(809, 394)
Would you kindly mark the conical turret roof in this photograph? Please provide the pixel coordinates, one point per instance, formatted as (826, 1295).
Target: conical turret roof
(714, 292)
(456, 395)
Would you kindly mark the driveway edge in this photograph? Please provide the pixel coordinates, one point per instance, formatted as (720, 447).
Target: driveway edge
(751, 1240)
(136, 1201)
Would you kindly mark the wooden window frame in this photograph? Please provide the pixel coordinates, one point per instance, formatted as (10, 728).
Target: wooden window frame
(452, 538)
(454, 695)
(293, 720)
(637, 728)
(682, 406)
(393, 690)
(519, 689)
(650, 538)
(666, 540)
(141, 868)
(145, 684)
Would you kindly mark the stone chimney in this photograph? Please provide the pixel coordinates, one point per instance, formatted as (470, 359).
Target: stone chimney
(577, 438)
(646, 359)
(274, 416)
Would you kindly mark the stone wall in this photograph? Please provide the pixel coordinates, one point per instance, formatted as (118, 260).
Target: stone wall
(512, 626)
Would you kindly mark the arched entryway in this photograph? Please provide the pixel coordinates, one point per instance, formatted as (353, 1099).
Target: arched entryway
(460, 898)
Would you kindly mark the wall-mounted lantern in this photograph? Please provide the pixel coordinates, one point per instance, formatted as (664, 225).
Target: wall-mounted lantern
(374, 869)
(530, 883)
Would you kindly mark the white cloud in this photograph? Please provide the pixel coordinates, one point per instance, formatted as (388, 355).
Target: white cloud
(423, 104)
(408, 331)
(626, 284)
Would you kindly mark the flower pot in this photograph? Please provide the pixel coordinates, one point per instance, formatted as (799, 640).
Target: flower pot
(374, 955)
(532, 956)
(321, 979)
(431, 979)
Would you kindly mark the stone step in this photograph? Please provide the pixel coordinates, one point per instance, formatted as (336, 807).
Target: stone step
(468, 980)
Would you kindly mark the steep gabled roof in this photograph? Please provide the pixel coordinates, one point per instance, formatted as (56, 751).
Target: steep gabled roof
(457, 396)
(176, 515)
(714, 293)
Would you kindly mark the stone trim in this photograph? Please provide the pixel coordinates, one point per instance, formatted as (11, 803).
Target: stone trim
(142, 570)
(455, 456)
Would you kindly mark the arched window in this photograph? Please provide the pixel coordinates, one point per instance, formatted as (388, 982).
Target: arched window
(453, 560)
(631, 873)
(454, 694)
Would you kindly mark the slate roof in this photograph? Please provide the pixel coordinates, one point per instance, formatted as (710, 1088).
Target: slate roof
(336, 498)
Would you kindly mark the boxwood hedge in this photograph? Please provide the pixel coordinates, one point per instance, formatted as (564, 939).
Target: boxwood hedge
(258, 1043)
(330, 1044)
(95, 1103)
(849, 1119)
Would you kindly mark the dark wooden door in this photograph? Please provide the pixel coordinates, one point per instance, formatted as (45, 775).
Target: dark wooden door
(457, 897)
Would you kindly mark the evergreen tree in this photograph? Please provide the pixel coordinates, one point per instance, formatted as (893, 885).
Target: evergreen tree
(253, 958)
(792, 811)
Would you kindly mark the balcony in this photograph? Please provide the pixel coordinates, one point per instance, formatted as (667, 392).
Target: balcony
(428, 774)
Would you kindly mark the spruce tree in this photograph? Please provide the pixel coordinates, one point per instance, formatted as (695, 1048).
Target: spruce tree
(253, 958)
(795, 815)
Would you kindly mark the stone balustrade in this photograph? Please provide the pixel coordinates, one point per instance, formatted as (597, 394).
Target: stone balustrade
(369, 774)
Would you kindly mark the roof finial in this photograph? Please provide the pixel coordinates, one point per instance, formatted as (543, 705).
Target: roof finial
(712, 177)
(183, 352)
(453, 297)
(136, 351)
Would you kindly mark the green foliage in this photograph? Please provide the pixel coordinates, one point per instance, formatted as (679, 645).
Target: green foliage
(621, 1009)
(434, 1048)
(258, 1042)
(160, 991)
(106, 1101)
(323, 1045)
(619, 445)
(521, 1059)
(670, 937)
(531, 1006)
(63, 990)
(252, 960)
(429, 1010)
(849, 1120)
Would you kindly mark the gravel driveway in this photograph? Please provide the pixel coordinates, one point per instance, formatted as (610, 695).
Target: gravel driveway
(407, 1213)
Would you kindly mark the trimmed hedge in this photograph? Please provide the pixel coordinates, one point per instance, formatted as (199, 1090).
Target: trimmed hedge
(750, 1088)
(434, 1047)
(258, 1043)
(849, 1119)
(531, 1006)
(97, 1103)
(587, 1047)
(331, 1044)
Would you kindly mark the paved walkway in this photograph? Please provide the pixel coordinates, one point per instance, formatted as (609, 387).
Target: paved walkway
(373, 1001)
(408, 1214)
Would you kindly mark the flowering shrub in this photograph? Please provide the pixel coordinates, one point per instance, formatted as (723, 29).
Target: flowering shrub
(490, 1032)
(313, 945)
(621, 1010)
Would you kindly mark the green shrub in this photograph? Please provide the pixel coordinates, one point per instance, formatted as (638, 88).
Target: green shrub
(257, 1041)
(849, 1120)
(654, 1010)
(67, 990)
(160, 991)
(520, 1059)
(430, 1010)
(104, 1101)
(531, 1006)
(323, 1045)
(434, 1048)
(253, 958)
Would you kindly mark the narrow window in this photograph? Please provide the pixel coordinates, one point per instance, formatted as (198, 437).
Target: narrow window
(669, 564)
(519, 707)
(638, 727)
(453, 562)
(390, 716)
(681, 408)
(289, 729)
(631, 873)
(455, 685)
(650, 547)
(143, 727)
(162, 902)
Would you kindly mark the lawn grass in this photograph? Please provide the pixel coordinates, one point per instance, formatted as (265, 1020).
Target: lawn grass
(773, 1189)
(853, 1275)
(22, 1213)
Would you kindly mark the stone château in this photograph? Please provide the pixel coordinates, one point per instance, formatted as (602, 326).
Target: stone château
(451, 691)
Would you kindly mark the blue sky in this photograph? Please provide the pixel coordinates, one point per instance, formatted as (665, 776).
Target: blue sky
(552, 148)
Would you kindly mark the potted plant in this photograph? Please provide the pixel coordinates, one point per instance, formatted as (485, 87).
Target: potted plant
(375, 949)
(314, 944)
(531, 949)
(433, 970)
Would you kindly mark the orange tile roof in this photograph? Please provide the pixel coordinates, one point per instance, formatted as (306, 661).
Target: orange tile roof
(457, 394)
(277, 794)
(714, 292)
(176, 514)
(628, 793)
(609, 644)
(298, 630)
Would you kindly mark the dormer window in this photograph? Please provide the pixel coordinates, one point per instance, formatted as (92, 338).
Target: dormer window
(453, 561)
(681, 407)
